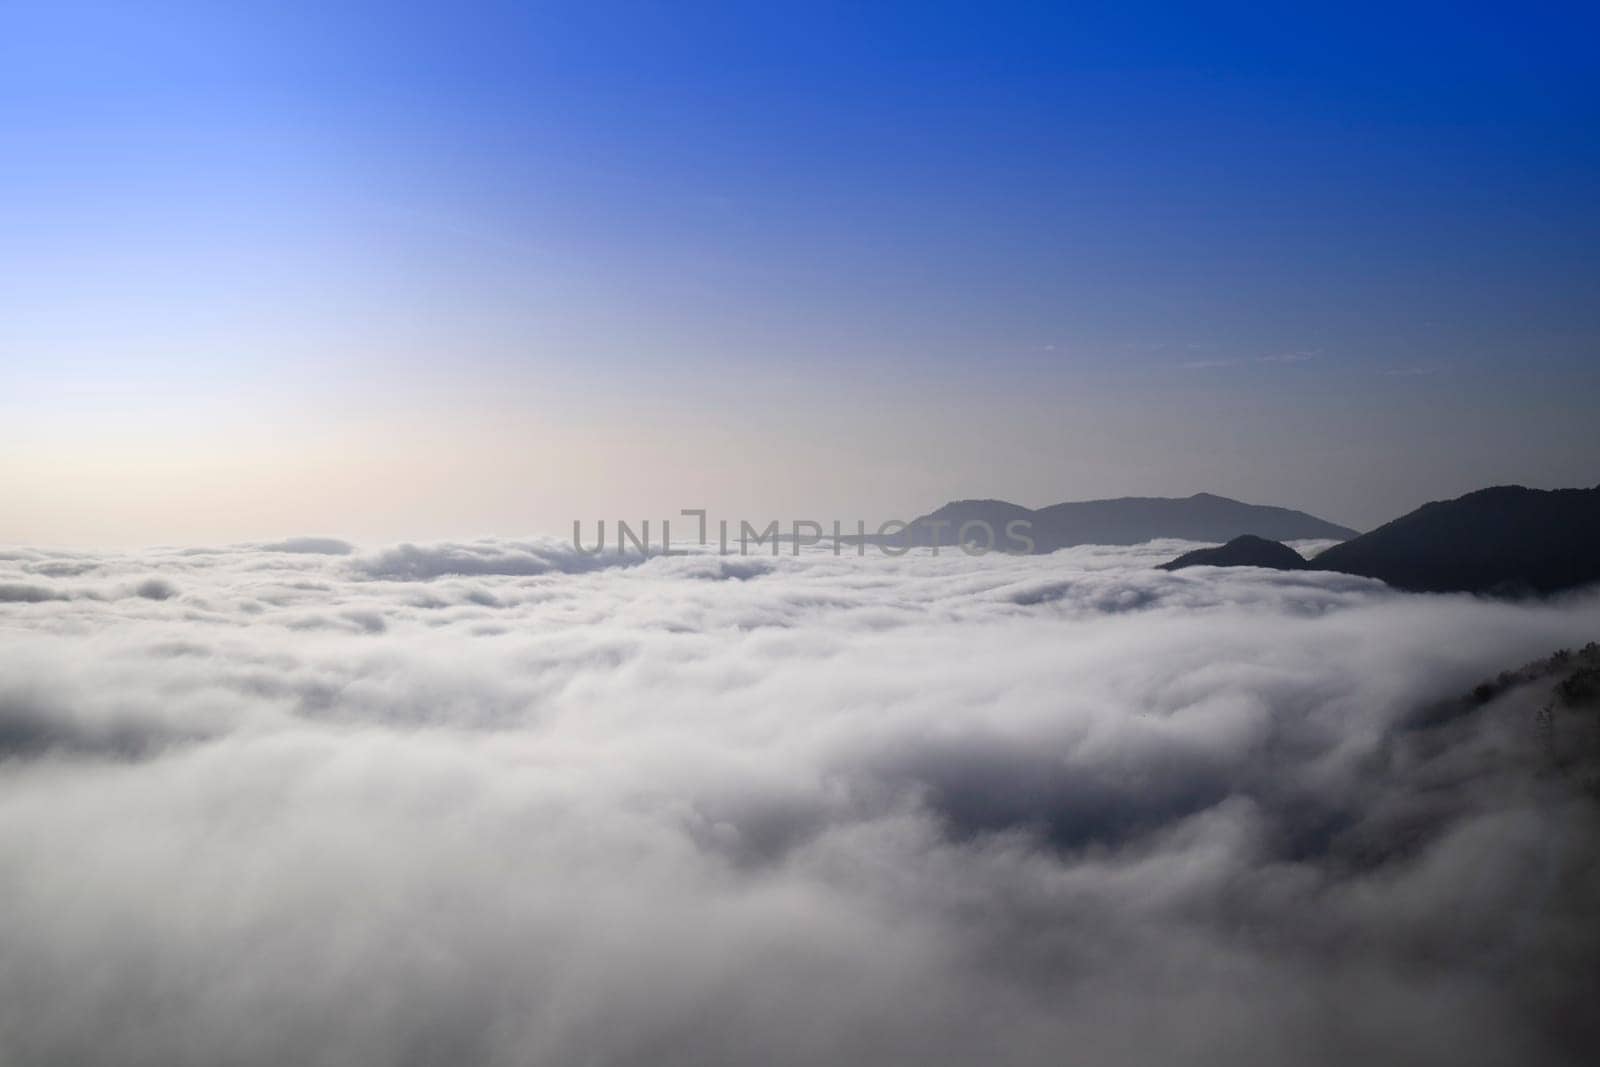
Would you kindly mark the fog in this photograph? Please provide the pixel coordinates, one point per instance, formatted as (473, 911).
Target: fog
(499, 802)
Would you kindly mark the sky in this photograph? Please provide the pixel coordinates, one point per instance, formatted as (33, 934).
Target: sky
(388, 271)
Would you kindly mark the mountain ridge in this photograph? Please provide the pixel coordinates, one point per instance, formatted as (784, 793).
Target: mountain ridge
(1113, 521)
(1505, 539)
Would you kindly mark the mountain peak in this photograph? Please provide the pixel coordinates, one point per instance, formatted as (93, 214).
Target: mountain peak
(1247, 550)
(1503, 538)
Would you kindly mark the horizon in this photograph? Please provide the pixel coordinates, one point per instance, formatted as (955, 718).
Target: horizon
(872, 525)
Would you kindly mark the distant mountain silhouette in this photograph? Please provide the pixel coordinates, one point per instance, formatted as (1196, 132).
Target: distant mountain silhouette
(1123, 521)
(1503, 540)
(1246, 551)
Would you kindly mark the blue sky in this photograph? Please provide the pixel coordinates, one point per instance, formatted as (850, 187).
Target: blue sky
(402, 270)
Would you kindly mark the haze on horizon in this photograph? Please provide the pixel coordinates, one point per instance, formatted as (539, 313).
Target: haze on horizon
(413, 270)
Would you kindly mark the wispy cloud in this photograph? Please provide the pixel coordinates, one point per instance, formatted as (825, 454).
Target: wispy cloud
(1275, 358)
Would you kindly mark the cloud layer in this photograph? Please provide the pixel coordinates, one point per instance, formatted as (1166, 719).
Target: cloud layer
(499, 802)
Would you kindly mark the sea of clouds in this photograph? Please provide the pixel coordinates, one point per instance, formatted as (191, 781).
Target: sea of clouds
(502, 803)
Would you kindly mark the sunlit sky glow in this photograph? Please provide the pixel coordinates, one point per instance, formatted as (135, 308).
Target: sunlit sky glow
(399, 270)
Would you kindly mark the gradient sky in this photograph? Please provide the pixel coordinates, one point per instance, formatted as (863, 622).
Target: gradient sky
(418, 270)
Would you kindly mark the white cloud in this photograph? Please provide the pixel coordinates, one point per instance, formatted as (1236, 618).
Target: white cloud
(498, 802)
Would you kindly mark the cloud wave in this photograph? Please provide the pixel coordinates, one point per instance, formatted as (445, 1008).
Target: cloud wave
(499, 802)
